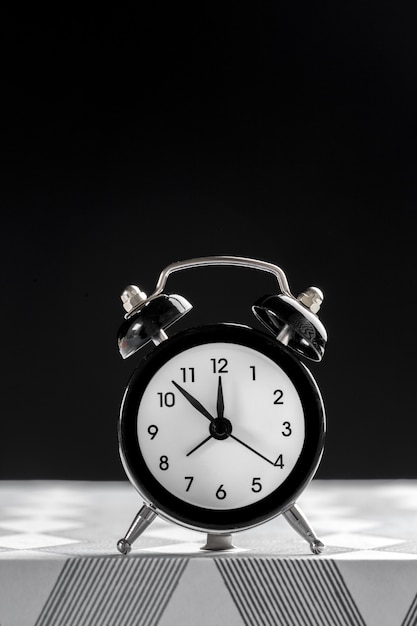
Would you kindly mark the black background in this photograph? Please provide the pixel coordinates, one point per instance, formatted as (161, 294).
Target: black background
(138, 137)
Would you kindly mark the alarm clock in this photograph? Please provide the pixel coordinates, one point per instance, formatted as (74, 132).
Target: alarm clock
(221, 426)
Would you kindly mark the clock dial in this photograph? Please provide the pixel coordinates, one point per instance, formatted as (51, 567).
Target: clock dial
(220, 426)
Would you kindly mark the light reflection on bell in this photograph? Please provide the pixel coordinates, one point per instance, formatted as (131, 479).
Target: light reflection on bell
(293, 324)
(150, 321)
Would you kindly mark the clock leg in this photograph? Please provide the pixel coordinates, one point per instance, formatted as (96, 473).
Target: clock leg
(298, 521)
(142, 520)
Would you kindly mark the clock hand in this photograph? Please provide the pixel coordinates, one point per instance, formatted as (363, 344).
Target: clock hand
(220, 399)
(220, 407)
(199, 445)
(196, 404)
(251, 449)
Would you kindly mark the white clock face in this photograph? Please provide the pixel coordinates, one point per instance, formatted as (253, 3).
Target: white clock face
(220, 426)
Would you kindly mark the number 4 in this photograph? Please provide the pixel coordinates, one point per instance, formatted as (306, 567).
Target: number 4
(279, 462)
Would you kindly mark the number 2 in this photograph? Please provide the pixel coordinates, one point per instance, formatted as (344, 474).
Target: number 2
(278, 393)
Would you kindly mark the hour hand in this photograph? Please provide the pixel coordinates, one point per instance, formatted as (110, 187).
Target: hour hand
(199, 445)
(195, 403)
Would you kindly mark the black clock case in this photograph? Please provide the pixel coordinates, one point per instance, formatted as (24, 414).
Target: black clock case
(172, 508)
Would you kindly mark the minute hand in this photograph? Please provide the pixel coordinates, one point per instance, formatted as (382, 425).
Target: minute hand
(252, 450)
(196, 404)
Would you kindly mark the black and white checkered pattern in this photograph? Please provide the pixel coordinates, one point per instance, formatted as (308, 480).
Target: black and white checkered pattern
(59, 564)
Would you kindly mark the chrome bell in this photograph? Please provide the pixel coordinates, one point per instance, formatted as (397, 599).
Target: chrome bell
(147, 319)
(294, 321)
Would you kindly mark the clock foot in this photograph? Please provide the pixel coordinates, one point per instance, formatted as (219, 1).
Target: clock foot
(124, 546)
(298, 521)
(218, 542)
(317, 546)
(142, 520)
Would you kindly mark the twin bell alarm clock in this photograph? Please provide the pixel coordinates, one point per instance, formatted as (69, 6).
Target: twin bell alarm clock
(221, 426)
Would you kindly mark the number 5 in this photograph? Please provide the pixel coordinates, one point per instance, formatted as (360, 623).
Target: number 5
(256, 484)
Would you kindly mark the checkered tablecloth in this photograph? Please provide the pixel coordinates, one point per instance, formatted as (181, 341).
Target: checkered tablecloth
(59, 564)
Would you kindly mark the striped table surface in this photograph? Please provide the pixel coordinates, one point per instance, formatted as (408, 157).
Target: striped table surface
(59, 564)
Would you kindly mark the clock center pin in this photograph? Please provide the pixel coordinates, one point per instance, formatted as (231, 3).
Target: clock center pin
(220, 428)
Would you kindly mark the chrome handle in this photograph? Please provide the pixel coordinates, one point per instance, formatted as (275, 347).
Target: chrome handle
(134, 299)
(239, 261)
